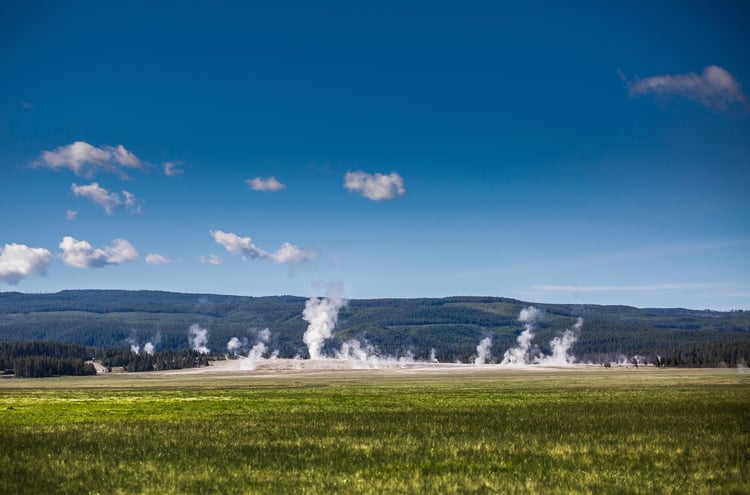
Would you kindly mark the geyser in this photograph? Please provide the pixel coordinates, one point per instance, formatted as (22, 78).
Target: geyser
(483, 351)
(198, 339)
(322, 315)
(519, 355)
(561, 346)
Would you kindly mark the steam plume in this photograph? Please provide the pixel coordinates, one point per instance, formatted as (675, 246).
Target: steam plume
(321, 314)
(198, 338)
(519, 355)
(360, 356)
(257, 352)
(150, 347)
(234, 345)
(561, 346)
(483, 351)
(135, 348)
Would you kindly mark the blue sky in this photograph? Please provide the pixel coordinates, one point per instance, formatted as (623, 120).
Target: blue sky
(582, 153)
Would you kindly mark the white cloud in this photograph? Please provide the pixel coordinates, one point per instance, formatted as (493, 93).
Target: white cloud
(715, 87)
(99, 195)
(289, 253)
(18, 261)
(247, 250)
(267, 185)
(132, 204)
(84, 159)
(156, 259)
(241, 246)
(71, 214)
(80, 254)
(376, 187)
(128, 198)
(171, 169)
(121, 251)
(124, 157)
(106, 199)
(211, 260)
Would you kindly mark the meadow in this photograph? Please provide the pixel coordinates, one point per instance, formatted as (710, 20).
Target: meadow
(576, 431)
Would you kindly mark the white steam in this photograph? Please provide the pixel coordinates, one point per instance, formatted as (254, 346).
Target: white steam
(149, 348)
(237, 347)
(257, 352)
(433, 355)
(363, 355)
(322, 315)
(198, 339)
(483, 351)
(360, 356)
(519, 355)
(135, 348)
(561, 346)
(234, 346)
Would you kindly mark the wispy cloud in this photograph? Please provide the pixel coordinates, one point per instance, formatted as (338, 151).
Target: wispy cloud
(269, 184)
(131, 203)
(172, 168)
(247, 250)
(376, 187)
(80, 254)
(622, 288)
(715, 87)
(289, 253)
(99, 195)
(157, 259)
(71, 214)
(18, 261)
(26, 105)
(664, 250)
(210, 260)
(106, 199)
(85, 159)
(241, 246)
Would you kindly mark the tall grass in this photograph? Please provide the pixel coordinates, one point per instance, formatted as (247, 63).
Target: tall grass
(650, 432)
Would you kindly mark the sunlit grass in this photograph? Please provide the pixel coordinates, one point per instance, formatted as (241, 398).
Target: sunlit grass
(658, 431)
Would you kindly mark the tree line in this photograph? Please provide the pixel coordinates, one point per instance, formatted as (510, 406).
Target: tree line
(158, 361)
(38, 359)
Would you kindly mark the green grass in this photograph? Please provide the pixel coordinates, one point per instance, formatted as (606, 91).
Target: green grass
(632, 431)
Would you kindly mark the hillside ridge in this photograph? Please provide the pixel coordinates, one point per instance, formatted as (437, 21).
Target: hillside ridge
(452, 326)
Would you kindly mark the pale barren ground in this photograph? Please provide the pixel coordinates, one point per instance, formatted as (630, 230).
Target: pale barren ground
(273, 367)
(351, 369)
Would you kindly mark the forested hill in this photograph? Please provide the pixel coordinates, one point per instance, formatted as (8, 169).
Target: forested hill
(452, 326)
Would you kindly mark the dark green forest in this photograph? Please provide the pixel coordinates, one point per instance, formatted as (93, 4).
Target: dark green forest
(35, 359)
(168, 359)
(451, 326)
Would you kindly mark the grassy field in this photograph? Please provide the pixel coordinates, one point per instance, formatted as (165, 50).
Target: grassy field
(596, 431)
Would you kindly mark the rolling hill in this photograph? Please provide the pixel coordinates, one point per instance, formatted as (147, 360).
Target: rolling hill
(452, 326)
